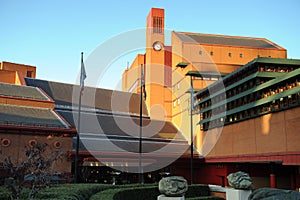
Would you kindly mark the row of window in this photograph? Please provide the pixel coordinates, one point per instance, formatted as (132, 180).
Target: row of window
(254, 96)
(210, 78)
(247, 72)
(235, 78)
(229, 54)
(274, 106)
(281, 69)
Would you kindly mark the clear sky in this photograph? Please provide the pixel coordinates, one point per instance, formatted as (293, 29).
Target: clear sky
(52, 34)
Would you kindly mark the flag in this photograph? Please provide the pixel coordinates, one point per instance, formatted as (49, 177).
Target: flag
(143, 82)
(82, 75)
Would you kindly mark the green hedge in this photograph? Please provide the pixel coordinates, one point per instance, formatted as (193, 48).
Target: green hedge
(205, 198)
(109, 192)
(135, 192)
(60, 192)
(72, 191)
(4, 194)
(195, 192)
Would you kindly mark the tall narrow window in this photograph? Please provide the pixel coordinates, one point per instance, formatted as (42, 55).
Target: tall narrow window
(157, 24)
(29, 74)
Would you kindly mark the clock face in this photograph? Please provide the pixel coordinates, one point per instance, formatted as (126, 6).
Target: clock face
(157, 46)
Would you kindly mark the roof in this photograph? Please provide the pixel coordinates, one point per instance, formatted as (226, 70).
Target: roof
(107, 100)
(205, 74)
(21, 91)
(29, 116)
(225, 40)
(116, 134)
(123, 127)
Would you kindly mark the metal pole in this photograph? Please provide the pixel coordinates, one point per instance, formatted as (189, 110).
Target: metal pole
(192, 134)
(78, 131)
(141, 127)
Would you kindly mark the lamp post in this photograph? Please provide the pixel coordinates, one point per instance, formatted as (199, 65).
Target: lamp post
(141, 125)
(192, 131)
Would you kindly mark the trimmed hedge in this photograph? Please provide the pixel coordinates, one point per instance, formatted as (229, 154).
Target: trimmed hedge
(205, 198)
(146, 192)
(195, 192)
(60, 192)
(72, 191)
(4, 193)
(109, 192)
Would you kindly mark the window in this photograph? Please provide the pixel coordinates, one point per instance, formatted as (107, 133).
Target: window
(200, 52)
(174, 104)
(229, 54)
(157, 25)
(241, 55)
(29, 74)
(178, 101)
(211, 53)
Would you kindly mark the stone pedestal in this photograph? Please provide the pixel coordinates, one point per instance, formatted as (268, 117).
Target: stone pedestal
(163, 197)
(234, 194)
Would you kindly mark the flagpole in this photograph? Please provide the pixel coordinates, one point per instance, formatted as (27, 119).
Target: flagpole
(78, 122)
(141, 125)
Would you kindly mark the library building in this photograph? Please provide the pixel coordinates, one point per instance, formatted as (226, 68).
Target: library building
(228, 103)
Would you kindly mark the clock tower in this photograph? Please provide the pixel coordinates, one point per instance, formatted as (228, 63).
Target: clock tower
(155, 65)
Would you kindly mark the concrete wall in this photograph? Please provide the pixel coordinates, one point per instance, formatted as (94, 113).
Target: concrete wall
(275, 132)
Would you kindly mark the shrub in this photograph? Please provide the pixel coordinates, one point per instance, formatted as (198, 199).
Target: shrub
(198, 190)
(72, 191)
(205, 198)
(4, 193)
(146, 192)
(130, 192)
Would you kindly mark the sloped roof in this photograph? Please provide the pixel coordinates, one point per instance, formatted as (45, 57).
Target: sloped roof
(122, 127)
(108, 100)
(29, 116)
(212, 39)
(116, 131)
(21, 91)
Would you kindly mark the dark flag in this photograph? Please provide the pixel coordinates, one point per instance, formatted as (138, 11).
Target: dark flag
(82, 75)
(143, 82)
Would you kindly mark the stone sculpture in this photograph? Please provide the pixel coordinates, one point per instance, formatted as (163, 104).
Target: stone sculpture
(240, 180)
(173, 186)
(273, 193)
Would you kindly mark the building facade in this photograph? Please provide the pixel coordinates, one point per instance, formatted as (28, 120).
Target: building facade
(27, 117)
(245, 103)
(257, 114)
(166, 65)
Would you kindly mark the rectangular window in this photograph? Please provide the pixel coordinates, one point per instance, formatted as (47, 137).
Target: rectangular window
(29, 74)
(157, 25)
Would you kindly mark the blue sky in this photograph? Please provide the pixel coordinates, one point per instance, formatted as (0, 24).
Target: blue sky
(52, 34)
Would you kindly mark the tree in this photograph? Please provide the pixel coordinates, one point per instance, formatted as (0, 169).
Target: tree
(35, 170)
